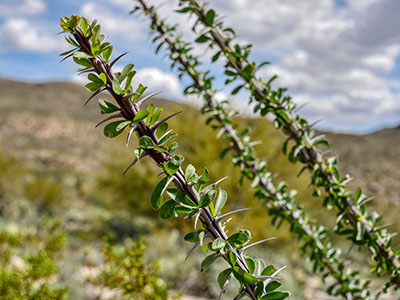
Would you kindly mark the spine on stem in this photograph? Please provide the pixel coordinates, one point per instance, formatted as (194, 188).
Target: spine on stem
(280, 202)
(189, 196)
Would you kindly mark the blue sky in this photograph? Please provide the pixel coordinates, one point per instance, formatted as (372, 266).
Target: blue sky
(339, 57)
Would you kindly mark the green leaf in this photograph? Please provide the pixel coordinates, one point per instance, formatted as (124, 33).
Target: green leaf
(243, 276)
(107, 107)
(155, 116)
(275, 296)
(67, 52)
(216, 56)
(173, 165)
(125, 72)
(84, 26)
(204, 177)
(128, 81)
(237, 89)
(140, 115)
(93, 77)
(141, 89)
(71, 41)
(172, 147)
(206, 199)
(103, 78)
(358, 194)
(168, 209)
(146, 142)
(208, 261)
(121, 126)
(210, 17)
(230, 73)
(180, 198)
(110, 130)
(221, 200)
(185, 9)
(223, 277)
(268, 271)
(161, 130)
(167, 138)
(94, 86)
(156, 197)
(273, 285)
(251, 264)
(195, 236)
(238, 238)
(232, 258)
(202, 39)
(107, 53)
(116, 87)
(189, 172)
(182, 209)
(218, 244)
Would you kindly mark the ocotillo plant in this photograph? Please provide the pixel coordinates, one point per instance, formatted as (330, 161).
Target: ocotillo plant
(189, 197)
(301, 144)
(281, 203)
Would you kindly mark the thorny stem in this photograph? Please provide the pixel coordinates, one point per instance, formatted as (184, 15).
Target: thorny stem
(311, 156)
(237, 144)
(128, 111)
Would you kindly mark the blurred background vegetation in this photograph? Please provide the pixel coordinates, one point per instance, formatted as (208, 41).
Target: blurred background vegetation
(70, 223)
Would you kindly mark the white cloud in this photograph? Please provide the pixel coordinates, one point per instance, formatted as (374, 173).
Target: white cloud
(114, 24)
(155, 79)
(158, 80)
(336, 58)
(24, 7)
(21, 34)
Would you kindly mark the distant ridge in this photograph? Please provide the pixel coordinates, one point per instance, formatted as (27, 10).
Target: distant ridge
(27, 109)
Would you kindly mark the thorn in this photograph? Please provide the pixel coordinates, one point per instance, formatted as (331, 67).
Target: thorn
(365, 201)
(315, 123)
(118, 58)
(154, 127)
(256, 243)
(197, 218)
(141, 101)
(135, 161)
(86, 71)
(218, 219)
(222, 179)
(317, 138)
(127, 96)
(225, 285)
(165, 134)
(340, 217)
(381, 227)
(301, 106)
(220, 132)
(325, 152)
(273, 275)
(160, 174)
(117, 115)
(266, 277)
(68, 56)
(130, 166)
(167, 184)
(94, 94)
(130, 134)
(255, 143)
(191, 250)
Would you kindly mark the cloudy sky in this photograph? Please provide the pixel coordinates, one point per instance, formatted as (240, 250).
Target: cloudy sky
(341, 57)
